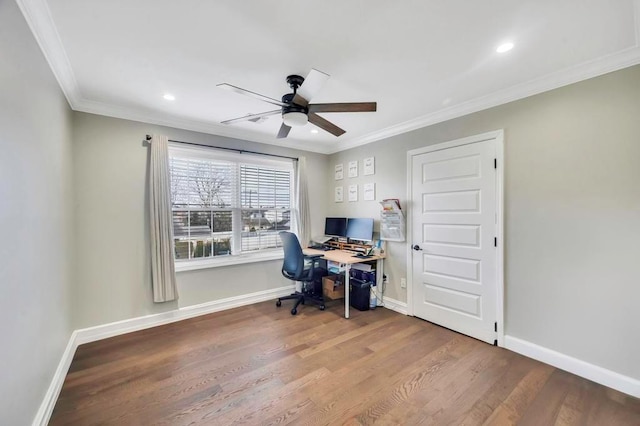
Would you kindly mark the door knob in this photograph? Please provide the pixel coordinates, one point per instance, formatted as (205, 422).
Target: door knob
(416, 247)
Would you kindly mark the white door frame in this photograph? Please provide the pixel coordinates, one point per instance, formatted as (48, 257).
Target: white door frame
(498, 137)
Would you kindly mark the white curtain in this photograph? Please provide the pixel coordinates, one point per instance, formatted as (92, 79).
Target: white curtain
(302, 201)
(163, 274)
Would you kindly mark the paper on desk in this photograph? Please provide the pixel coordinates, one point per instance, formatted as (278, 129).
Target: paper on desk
(362, 266)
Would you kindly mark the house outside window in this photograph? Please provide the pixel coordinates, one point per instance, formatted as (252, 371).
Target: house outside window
(228, 205)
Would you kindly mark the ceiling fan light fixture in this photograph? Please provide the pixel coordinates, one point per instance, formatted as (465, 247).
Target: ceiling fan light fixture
(295, 119)
(295, 107)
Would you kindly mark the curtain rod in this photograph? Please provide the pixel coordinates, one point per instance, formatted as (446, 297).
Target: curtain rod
(241, 151)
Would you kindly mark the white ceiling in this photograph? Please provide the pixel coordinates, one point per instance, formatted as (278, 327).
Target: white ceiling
(423, 61)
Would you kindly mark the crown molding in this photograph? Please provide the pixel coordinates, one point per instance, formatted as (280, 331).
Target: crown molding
(38, 17)
(159, 119)
(575, 74)
(584, 71)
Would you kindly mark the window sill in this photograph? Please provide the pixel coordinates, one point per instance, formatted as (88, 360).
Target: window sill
(229, 260)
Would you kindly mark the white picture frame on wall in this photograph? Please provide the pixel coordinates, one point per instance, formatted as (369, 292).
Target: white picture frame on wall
(338, 194)
(369, 166)
(338, 172)
(369, 191)
(353, 192)
(353, 169)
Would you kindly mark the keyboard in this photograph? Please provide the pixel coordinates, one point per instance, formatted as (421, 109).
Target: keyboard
(363, 256)
(319, 247)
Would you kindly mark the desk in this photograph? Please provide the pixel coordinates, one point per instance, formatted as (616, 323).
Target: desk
(346, 259)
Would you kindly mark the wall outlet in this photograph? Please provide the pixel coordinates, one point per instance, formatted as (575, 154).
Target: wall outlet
(403, 282)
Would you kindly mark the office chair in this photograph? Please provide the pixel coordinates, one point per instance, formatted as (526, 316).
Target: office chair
(299, 267)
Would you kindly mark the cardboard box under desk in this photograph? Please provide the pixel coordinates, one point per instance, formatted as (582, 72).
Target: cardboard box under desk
(333, 287)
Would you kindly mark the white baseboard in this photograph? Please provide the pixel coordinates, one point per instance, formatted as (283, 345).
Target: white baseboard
(99, 332)
(576, 366)
(92, 334)
(48, 403)
(395, 305)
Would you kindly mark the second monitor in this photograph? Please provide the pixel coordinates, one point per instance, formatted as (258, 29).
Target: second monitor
(360, 228)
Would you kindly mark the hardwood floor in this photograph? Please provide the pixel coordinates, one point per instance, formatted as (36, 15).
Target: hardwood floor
(260, 365)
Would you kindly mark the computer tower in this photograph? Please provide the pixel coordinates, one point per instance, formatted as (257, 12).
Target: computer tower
(359, 292)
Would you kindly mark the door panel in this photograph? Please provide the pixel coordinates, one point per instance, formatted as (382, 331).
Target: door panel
(455, 267)
(445, 202)
(462, 167)
(455, 300)
(454, 224)
(459, 235)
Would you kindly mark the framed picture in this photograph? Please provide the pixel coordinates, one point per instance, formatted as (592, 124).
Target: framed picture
(338, 172)
(353, 192)
(369, 191)
(369, 166)
(338, 196)
(353, 169)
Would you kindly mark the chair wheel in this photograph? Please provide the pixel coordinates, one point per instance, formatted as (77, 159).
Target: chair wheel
(278, 303)
(294, 311)
(322, 307)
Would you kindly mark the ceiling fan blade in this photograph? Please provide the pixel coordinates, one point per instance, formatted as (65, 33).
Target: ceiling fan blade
(250, 94)
(299, 100)
(311, 86)
(325, 124)
(284, 131)
(344, 107)
(252, 117)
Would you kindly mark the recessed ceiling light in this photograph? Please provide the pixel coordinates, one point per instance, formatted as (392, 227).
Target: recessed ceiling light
(169, 97)
(504, 47)
(314, 130)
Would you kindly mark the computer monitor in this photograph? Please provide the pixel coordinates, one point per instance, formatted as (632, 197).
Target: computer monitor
(360, 228)
(335, 226)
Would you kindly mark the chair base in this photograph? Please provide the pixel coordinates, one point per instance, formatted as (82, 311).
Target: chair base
(300, 298)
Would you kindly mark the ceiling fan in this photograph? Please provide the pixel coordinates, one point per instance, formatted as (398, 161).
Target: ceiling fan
(295, 107)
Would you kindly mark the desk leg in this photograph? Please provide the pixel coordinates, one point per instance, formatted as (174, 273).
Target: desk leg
(347, 273)
(380, 279)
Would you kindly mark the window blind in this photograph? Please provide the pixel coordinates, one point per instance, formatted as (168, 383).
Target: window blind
(226, 205)
(203, 183)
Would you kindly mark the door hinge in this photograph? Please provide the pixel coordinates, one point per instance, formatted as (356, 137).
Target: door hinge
(495, 342)
(495, 241)
(495, 326)
(495, 163)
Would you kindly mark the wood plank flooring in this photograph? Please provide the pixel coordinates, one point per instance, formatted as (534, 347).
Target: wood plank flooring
(260, 365)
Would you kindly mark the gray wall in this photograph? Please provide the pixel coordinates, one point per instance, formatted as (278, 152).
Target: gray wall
(112, 262)
(572, 218)
(35, 217)
(572, 213)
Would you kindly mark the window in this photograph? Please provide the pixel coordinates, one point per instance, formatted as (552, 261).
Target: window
(226, 205)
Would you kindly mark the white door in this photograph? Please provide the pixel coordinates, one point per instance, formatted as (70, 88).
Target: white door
(454, 217)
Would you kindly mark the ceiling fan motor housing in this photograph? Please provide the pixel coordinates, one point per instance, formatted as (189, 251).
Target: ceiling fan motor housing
(291, 107)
